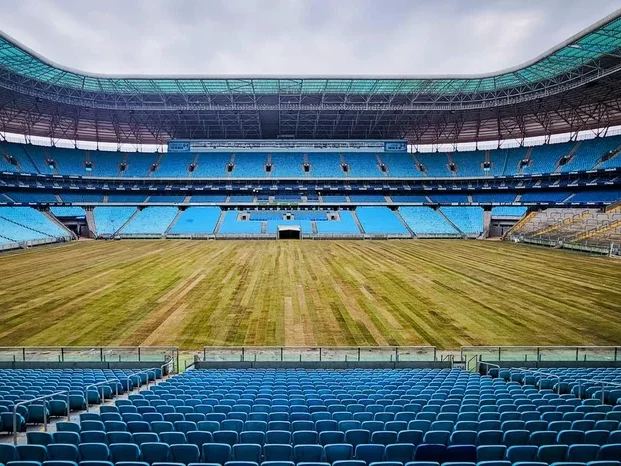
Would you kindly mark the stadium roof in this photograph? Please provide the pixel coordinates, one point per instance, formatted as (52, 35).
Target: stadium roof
(574, 86)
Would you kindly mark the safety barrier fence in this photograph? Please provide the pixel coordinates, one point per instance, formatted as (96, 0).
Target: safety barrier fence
(543, 353)
(85, 354)
(319, 353)
(169, 355)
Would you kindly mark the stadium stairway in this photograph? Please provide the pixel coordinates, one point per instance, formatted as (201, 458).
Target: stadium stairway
(570, 156)
(451, 223)
(156, 163)
(127, 222)
(519, 225)
(418, 164)
(8, 197)
(505, 161)
(90, 223)
(356, 219)
(47, 155)
(32, 161)
(616, 153)
(527, 157)
(232, 164)
(216, 230)
(568, 199)
(60, 224)
(193, 164)
(174, 221)
(451, 162)
(405, 224)
(487, 221)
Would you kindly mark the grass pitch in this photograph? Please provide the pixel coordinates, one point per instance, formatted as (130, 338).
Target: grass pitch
(445, 293)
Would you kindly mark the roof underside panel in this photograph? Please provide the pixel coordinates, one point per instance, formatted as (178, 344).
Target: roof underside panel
(579, 109)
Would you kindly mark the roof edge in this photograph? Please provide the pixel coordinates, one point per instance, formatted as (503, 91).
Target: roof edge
(593, 27)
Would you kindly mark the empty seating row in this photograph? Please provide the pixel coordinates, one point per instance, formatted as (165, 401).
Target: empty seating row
(219, 453)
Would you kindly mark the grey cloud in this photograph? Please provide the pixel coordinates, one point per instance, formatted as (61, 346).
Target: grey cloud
(296, 36)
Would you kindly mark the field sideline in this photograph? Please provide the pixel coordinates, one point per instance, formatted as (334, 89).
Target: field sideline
(445, 293)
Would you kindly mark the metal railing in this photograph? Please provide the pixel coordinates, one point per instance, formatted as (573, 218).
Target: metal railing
(602, 382)
(546, 374)
(147, 372)
(116, 382)
(44, 406)
(171, 364)
(488, 364)
(153, 370)
(474, 358)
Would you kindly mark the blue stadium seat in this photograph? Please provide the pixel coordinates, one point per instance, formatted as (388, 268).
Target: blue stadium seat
(155, 452)
(63, 452)
(185, 453)
(94, 452)
(277, 452)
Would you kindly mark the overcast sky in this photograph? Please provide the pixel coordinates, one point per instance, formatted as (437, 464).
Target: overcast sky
(296, 36)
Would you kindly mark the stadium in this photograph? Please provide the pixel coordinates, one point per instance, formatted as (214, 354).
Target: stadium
(312, 270)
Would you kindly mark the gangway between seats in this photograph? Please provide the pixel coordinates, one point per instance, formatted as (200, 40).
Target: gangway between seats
(44, 406)
(148, 372)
